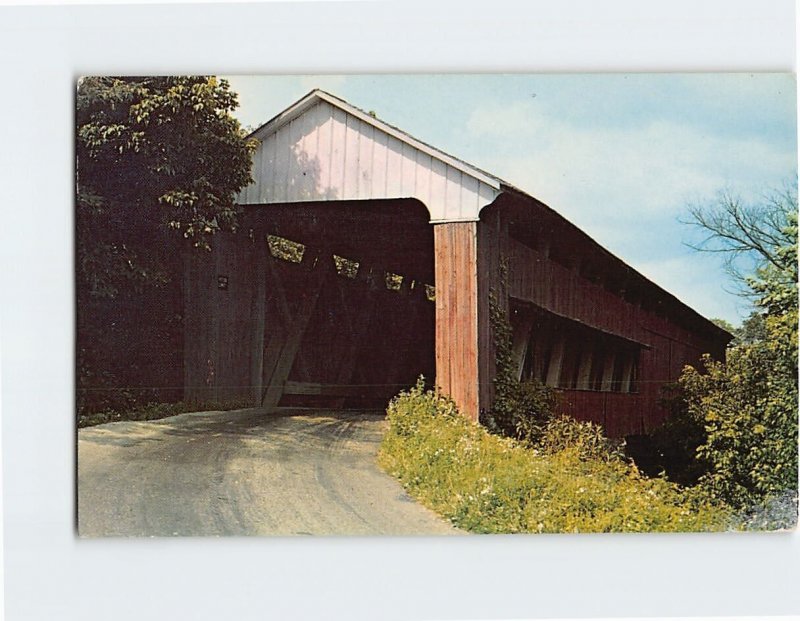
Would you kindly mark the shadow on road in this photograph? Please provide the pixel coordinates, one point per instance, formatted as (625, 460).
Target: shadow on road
(319, 425)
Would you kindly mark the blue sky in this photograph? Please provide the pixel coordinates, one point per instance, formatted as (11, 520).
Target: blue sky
(620, 155)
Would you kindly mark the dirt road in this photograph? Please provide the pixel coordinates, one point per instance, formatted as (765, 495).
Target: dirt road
(242, 473)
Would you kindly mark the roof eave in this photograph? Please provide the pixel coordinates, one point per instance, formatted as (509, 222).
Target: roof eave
(672, 298)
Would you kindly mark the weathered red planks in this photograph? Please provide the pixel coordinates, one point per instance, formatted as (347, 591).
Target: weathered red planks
(362, 334)
(248, 335)
(559, 270)
(219, 320)
(490, 232)
(455, 250)
(619, 414)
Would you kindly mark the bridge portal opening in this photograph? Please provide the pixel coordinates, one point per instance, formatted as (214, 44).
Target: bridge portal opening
(326, 304)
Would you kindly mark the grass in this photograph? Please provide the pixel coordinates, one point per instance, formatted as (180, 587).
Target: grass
(485, 483)
(154, 411)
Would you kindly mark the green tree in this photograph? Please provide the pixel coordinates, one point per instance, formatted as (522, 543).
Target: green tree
(748, 404)
(752, 330)
(724, 324)
(155, 157)
(159, 162)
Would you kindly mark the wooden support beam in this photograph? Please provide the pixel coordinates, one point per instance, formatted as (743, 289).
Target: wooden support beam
(585, 369)
(521, 341)
(330, 390)
(627, 374)
(539, 345)
(280, 316)
(455, 253)
(295, 327)
(608, 371)
(412, 302)
(258, 315)
(360, 335)
(556, 360)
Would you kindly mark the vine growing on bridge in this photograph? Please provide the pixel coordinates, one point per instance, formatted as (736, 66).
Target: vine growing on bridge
(520, 408)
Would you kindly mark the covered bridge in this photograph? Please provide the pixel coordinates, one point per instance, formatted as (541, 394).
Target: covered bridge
(365, 257)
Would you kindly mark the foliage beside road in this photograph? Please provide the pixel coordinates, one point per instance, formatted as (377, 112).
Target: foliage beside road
(154, 411)
(747, 406)
(486, 483)
(728, 454)
(159, 162)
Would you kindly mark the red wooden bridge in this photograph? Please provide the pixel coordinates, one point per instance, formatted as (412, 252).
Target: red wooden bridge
(366, 258)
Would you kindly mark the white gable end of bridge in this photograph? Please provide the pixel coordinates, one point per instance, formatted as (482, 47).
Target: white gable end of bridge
(324, 149)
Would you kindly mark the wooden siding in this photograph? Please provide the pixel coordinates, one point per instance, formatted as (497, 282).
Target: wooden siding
(548, 277)
(666, 347)
(491, 229)
(534, 278)
(619, 414)
(455, 249)
(284, 333)
(221, 324)
(329, 175)
(326, 153)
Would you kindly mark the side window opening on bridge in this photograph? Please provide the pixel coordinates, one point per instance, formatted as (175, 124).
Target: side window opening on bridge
(566, 354)
(286, 249)
(346, 267)
(294, 252)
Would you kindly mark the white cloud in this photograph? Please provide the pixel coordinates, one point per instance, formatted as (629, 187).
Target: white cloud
(619, 172)
(626, 187)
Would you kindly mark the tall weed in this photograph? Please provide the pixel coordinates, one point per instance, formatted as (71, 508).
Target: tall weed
(486, 483)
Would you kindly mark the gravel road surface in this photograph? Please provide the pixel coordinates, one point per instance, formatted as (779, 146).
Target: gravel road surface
(243, 473)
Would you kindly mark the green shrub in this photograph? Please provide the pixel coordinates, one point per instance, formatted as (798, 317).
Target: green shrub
(491, 484)
(520, 409)
(672, 447)
(749, 410)
(748, 405)
(585, 439)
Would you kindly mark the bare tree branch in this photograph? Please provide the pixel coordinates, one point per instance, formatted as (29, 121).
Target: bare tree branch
(749, 236)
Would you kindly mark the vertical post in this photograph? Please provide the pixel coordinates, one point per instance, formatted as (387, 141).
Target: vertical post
(521, 342)
(455, 251)
(213, 361)
(190, 329)
(258, 317)
(627, 374)
(585, 369)
(556, 360)
(491, 234)
(296, 318)
(608, 371)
